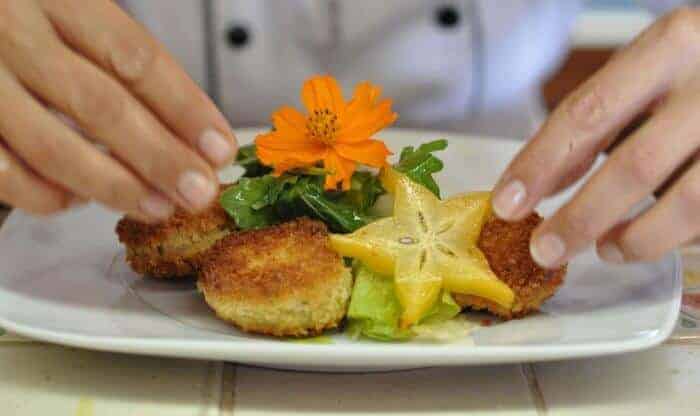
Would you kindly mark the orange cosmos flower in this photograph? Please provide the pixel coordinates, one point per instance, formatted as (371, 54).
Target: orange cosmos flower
(335, 132)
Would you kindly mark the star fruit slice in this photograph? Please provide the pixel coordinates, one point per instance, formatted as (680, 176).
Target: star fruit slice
(428, 245)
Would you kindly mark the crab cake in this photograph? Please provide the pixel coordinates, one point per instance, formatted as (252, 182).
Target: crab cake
(173, 249)
(506, 246)
(283, 280)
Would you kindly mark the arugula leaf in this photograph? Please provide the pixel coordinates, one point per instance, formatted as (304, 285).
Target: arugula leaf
(247, 158)
(338, 216)
(307, 197)
(365, 188)
(249, 202)
(267, 200)
(260, 199)
(420, 164)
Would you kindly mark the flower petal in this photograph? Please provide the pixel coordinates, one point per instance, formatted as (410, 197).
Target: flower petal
(363, 99)
(290, 131)
(283, 160)
(289, 118)
(370, 152)
(339, 170)
(323, 92)
(365, 116)
(367, 125)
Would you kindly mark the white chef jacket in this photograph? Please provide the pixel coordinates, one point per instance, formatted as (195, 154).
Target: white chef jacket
(464, 65)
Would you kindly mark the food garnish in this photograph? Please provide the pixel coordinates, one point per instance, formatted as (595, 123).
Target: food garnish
(419, 165)
(336, 133)
(428, 245)
(375, 309)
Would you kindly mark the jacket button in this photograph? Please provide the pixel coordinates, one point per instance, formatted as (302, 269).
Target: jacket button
(447, 16)
(238, 36)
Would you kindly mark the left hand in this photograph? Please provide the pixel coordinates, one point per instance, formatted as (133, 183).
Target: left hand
(661, 68)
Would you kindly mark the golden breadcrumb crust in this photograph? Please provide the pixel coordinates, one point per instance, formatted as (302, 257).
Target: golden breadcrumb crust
(283, 280)
(506, 246)
(173, 248)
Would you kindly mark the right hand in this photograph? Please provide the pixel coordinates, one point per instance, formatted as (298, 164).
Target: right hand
(89, 61)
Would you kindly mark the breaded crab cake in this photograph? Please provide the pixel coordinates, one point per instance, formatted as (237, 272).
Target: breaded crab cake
(173, 249)
(506, 246)
(283, 280)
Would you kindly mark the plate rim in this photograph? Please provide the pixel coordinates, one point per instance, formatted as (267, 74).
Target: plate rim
(385, 355)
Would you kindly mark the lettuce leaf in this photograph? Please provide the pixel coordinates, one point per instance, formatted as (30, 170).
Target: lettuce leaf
(375, 310)
(443, 310)
(420, 164)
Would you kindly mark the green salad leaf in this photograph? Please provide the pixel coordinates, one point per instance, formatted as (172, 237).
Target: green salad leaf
(266, 200)
(247, 158)
(375, 311)
(247, 202)
(364, 190)
(420, 164)
(260, 199)
(443, 310)
(339, 215)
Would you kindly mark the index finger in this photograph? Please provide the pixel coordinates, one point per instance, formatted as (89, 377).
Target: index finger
(105, 34)
(585, 122)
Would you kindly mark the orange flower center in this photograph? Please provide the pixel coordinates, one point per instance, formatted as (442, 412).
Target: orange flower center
(322, 126)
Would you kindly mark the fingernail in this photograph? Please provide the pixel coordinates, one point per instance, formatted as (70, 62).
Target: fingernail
(156, 207)
(611, 253)
(507, 202)
(215, 146)
(548, 250)
(196, 189)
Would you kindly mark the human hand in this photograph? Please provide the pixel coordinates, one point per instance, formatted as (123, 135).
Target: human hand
(659, 70)
(89, 61)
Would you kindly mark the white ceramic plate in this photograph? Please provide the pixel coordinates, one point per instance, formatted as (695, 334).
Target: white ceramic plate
(64, 280)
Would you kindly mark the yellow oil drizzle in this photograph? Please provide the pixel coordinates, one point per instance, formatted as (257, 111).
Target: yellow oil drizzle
(691, 278)
(321, 339)
(86, 407)
(455, 330)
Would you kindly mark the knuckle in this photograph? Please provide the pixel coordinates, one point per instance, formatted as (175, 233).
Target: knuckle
(689, 194)
(635, 249)
(43, 155)
(98, 107)
(681, 27)
(580, 224)
(640, 165)
(132, 61)
(586, 109)
(120, 192)
(8, 18)
(34, 198)
(4, 20)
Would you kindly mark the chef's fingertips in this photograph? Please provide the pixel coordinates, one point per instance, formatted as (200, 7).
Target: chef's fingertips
(216, 148)
(509, 198)
(548, 250)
